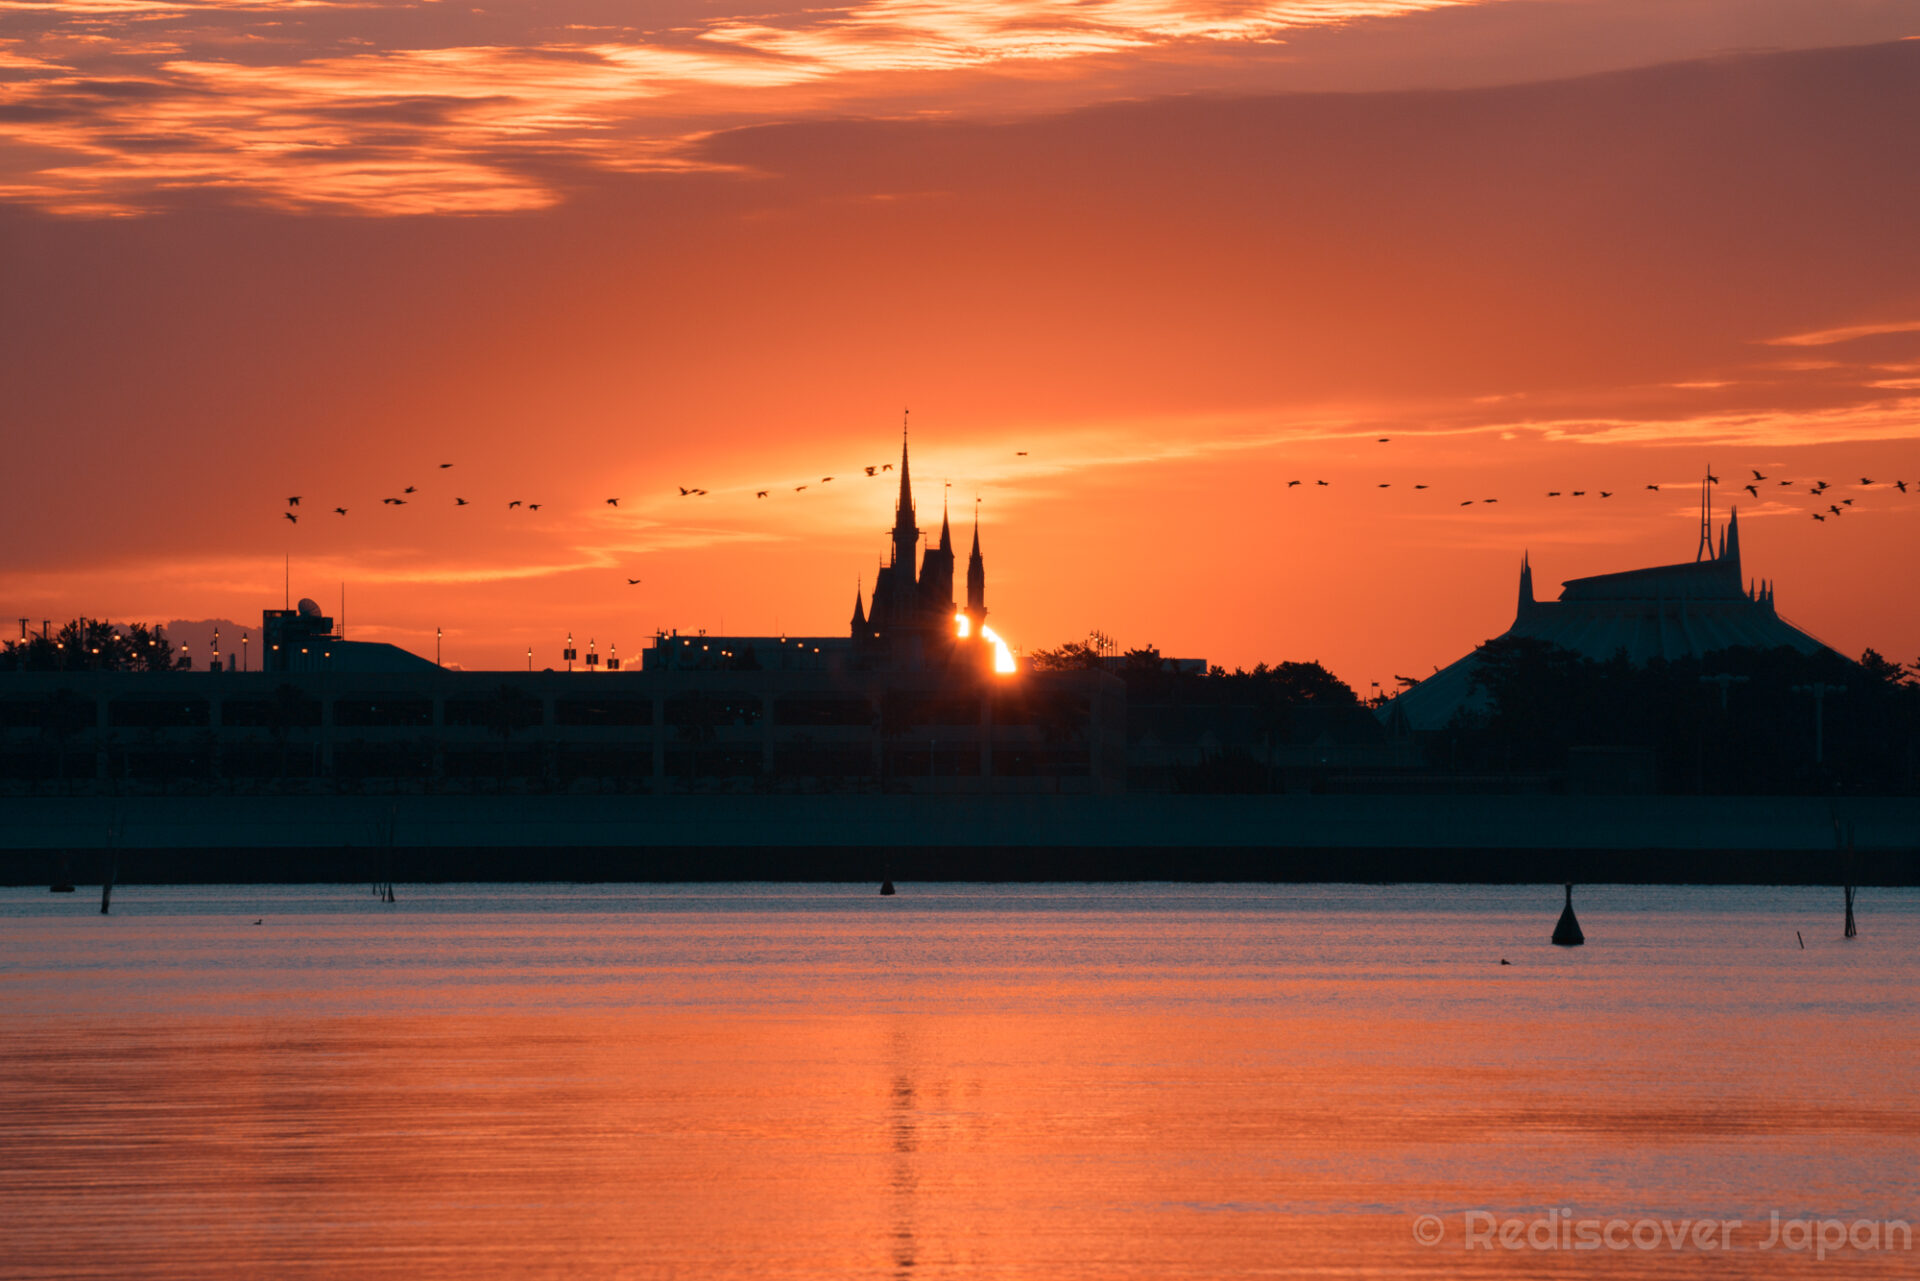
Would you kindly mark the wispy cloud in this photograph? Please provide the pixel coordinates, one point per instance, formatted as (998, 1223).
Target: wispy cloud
(1828, 337)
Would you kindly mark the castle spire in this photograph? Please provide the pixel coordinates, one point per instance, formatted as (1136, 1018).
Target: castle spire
(946, 531)
(1526, 588)
(859, 609)
(906, 530)
(976, 575)
(1730, 543)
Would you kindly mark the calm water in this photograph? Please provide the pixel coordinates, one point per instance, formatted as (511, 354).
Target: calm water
(1003, 1082)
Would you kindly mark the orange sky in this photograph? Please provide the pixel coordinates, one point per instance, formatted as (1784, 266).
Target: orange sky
(1179, 254)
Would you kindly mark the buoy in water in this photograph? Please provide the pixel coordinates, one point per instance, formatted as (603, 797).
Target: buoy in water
(886, 887)
(1567, 932)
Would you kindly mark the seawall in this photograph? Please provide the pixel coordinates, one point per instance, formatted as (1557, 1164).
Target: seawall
(1762, 840)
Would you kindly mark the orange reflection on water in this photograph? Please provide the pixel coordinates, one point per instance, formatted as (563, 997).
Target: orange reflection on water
(1143, 1082)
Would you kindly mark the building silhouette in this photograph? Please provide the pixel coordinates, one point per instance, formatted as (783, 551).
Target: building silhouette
(1668, 612)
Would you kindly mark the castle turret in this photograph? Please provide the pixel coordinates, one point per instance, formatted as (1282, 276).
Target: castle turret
(906, 532)
(976, 578)
(859, 624)
(1526, 589)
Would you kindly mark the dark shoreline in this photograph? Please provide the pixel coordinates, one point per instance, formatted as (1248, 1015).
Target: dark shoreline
(441, 865)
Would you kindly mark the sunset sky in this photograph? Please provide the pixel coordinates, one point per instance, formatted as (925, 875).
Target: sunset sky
(1178, 254)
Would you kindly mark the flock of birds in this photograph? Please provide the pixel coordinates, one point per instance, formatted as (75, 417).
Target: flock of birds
(1818, 490)
(411, 494)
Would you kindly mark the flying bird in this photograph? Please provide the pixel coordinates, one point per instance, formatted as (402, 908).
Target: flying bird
(515, 503)
(294, 501)
(1319, 482)
(1386, 484)
(1865, 481)
(1819, 485)
(444, 466)
(290, 516)
(1786, 482)
(1900, 485)
(1292, 483)
(761, 493)
(1466, 502)
(1846, 502)
(798, 488)
(1419, 486)
(1712, 479)
(1751, 489)
(886, 466)
(1606, 493)
(1384, 439)
(394, 502)
(459, 502)
(1818, 516)
(1019, 453)
(1756, 474)
(872, 470)
(1833, 509)
(407, 490)
(1553, 493)
(533, 507)
(341, 510)
(632, 582)
(825, 479)
(684, 491)
(1579, 493)
(1654, 488)
(613, 502)
(1489, 500)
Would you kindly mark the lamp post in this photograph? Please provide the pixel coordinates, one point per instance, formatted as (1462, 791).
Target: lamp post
(436, 647)
(243, 651)
(1723, 680)
(570, 653)
(1819, 690)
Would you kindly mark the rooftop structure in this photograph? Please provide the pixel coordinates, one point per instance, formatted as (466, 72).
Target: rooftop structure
(1668, 612)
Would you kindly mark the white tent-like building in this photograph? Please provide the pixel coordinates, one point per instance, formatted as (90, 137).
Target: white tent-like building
(1666, 612)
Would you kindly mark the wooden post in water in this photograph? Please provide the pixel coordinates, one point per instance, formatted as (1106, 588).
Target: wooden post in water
(113, 865)
(1567, 932)
(1852, 932)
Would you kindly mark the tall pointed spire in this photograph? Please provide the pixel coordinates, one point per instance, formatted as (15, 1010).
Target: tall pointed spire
(1730, 543)
(1705, 550)
(859, 610)
(946, 531)
(1526, 588)
(906, 530)
(976, 575)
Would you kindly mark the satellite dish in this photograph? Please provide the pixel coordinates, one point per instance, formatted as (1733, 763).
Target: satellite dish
(309, 608)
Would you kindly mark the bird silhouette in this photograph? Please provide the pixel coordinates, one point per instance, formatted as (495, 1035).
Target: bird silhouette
(258, 922)
(1756, 473)
(684, 491)
(444, 466)
(459, 502)
(1386, 484)
(294, 501)
(1900, 485)
(1833, 509)
(1752, 489)
(1654, 488)
(1384, 439)
(613, 502)
(1553, 493)
(886, 466)
(825, 479)
(1466, 502)
(1489, 500)
(1846, 502)
(393, 502)
(1865, 481)
(1292, 483)
(1019, 453)
(872, 470)
(632, 581)
(1818, 516)
(407, 490)
(341, 510)
(533, 507)
(1606, 493)
(515, 503)
(1786, 482)
(1819, 485)
(761, 493)
(1419, 486)
(290, 516)
(1712, 479)
(1320, 482)
(699, 493)
(1579, 493)
(798, 488)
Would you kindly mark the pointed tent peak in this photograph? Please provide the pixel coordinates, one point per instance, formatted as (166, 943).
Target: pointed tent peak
(1730, 543)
